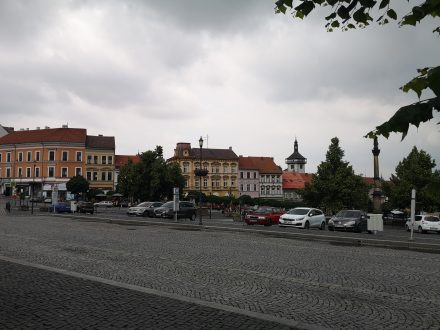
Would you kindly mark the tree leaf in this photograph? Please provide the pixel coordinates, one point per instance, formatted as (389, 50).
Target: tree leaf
(384, 3)
(392, 14)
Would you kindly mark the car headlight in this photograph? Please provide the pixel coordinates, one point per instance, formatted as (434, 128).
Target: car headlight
(350, 223)
(300, 219)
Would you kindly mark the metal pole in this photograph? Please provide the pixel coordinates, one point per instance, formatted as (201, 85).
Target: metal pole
(200, 197)
(33, 191)
(413, 211)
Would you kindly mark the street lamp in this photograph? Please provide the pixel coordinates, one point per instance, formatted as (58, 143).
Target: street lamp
(200, 182)
(33, 190)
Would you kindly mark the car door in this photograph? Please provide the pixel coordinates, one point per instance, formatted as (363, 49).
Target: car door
(312, 218)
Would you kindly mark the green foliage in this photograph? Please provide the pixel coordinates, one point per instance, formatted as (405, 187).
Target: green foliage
(352, 14)
(77, 185)
(415, 172)
(335, 186)
(152, 179)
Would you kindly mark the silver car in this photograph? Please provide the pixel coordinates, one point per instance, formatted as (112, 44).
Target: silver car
(303, 217)
(145, 209)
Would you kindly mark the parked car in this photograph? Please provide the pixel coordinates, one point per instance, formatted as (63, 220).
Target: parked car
(303, 217)
(145, 209)
(186, 210)
(48, 200)
(266, 216)
(354, 220)
(61, 207)
(394, 217)
(85, 207)
(103, 204)
(424, 223)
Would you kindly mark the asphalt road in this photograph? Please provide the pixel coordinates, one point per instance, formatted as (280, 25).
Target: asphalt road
(258, 281)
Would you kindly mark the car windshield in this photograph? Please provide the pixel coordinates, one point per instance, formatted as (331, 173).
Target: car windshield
(348, 214)
(263, 210)
(144, 204)
(299, 211)
(168, 204)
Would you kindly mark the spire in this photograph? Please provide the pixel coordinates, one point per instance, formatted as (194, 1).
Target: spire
(295, 145)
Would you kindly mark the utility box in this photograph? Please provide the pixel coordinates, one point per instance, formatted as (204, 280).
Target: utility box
(375, 222)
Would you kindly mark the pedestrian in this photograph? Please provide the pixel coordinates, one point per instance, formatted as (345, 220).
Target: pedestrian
(8, 207)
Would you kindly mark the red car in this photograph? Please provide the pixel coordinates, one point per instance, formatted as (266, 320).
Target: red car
(266, 216)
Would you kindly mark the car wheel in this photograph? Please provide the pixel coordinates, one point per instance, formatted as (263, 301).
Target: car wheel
(331, 228)
(268, 223)
(307, 225)
(322, 227)
(145, 214)
(420, 230)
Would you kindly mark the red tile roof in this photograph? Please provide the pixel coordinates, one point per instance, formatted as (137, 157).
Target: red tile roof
(294, 180)
(264, 165)
(121, 160)
(73, 135)
(368, 181)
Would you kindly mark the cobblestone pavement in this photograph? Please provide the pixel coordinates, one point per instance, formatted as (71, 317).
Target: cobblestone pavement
(37, 299)
(317, 284)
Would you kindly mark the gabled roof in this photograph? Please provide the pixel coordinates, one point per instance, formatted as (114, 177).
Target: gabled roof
(100, 142)
(121, 160)
(71, 135)
(216, 154)
(295, 155)
(264, 165)
(295, 180)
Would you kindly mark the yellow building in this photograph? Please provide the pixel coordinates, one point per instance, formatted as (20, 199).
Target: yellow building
(222, 166)
(100, 162)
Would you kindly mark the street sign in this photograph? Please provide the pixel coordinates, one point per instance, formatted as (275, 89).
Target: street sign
(176, 199)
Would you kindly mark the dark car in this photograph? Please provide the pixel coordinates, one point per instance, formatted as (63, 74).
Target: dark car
(61, 208)
(85, 207)
(353, 220)
(266, 216)
(186, 210)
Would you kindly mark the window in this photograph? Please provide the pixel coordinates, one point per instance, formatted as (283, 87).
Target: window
(95, 159)
(8, 172)
(79, 156)
(248, 187)
(8, 157)
(241, 175)
(185, 167)
(65, 156)
(37, 172)
(233, 168)
(89, 159)
(205, 183)
(95, 176)
(51, 171)
(20, 172)
(205, 166)
(0, 157)
(28, 156)
(197, 183)
(89, 176)
(225, 168)
(28, 172)
(225, 183)
(255, 175)
(104, 160)
(110, 176)
(77, 171)
(232, 183)
(255, 187)
(109, 159)
(102, 176)
(20, 156)
(241, 187)
(37, 156)
(64, 172)
(186, 183)
(51, 155)
(248, 175)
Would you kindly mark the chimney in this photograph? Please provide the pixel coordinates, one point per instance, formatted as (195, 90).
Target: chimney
(46, 127)
(64, 126)
(38, 128)
(27, 129)
(230, 148)
(21, 129)
(99, 134)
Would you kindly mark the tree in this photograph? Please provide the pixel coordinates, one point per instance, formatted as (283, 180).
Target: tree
(350, 14)
(414, 172)
(335, 186)
(77, 185)
(150, 179)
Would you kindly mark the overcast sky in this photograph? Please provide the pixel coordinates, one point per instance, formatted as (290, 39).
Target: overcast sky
(161, 72)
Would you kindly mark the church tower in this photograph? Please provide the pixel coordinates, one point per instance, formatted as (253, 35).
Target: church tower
(296, 162)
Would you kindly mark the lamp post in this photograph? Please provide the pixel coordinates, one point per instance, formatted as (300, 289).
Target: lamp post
(200, 183)
(33, 191)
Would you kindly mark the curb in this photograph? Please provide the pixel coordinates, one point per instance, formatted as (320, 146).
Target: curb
(352, 241)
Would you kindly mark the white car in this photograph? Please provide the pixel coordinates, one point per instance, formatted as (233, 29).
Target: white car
(424, 223)
(145, 209)
(103, 204)
(303, 217)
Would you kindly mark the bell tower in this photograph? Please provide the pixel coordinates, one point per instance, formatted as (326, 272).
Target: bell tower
(296, 162)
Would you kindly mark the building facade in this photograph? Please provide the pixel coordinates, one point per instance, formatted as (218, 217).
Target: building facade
(100, 162)
(38, 162)
(221, 164)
